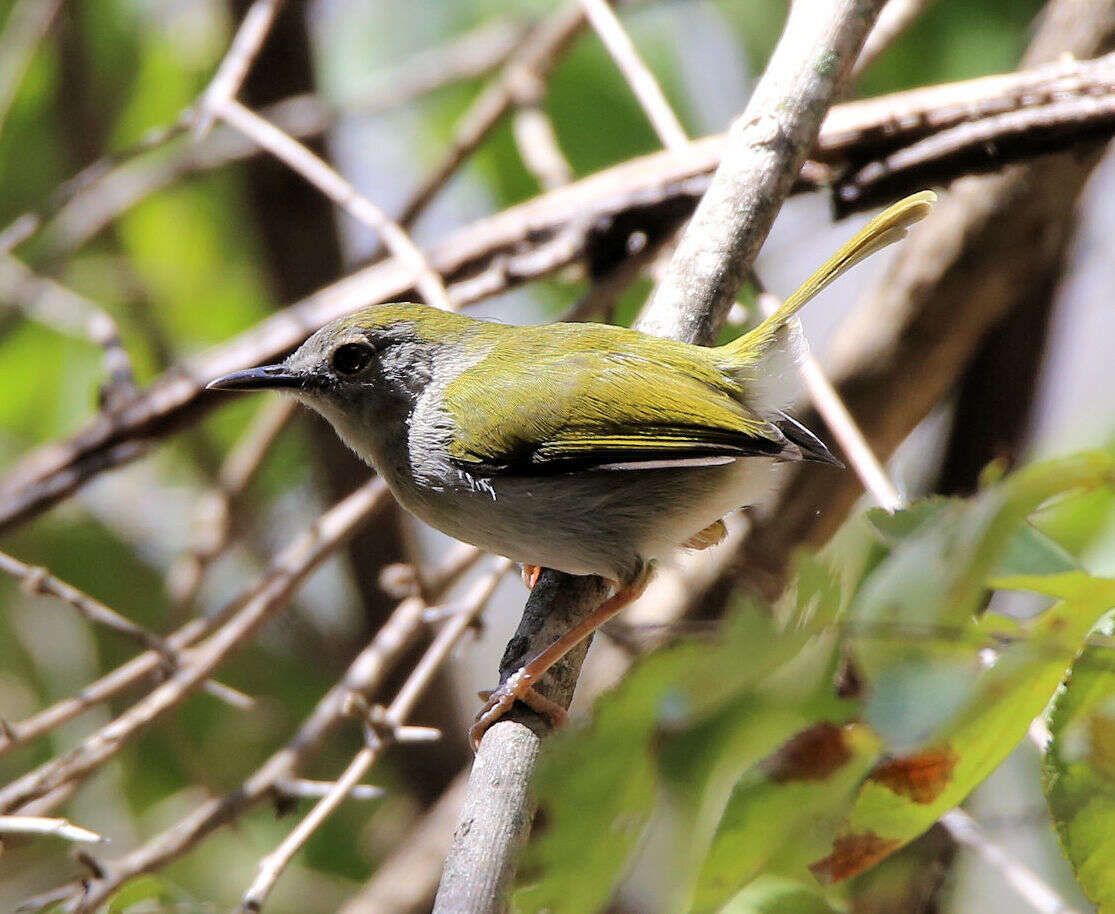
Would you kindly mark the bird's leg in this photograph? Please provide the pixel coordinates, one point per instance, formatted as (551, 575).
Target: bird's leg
(530, 574)
(520, 684)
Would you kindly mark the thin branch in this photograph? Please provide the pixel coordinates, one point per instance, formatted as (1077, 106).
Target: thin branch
(406, 881)
(60, 308)
(303, 789)
(340, 191)
(636, 73)
(38, 580)
(226, 83)
(652, 194)
(538, 54)
(388, 731)
(27, 25)
(1034, 890)
(55, 828)
(290, 568)
(535, 136)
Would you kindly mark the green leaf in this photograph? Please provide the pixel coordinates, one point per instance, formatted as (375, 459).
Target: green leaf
(785, 811)
(905, 794)
(776, 895)
(1079, 765)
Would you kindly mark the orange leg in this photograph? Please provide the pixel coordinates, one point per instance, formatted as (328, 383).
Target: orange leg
(520, 684)
(530, 575)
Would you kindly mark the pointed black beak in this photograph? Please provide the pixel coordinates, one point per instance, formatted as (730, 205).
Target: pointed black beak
(266, 377)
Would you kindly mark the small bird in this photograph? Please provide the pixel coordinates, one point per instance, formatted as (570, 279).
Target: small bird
(586, 448)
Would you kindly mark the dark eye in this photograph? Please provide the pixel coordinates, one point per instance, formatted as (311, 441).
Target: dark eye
(352, 358)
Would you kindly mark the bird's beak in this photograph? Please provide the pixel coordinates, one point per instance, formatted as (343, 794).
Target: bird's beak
(266, 377)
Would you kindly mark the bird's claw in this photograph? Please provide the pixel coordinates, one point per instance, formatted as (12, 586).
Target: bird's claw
(530, 575)
(499, 701)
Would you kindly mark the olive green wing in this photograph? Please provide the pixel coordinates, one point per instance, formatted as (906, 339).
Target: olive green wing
(583, 397)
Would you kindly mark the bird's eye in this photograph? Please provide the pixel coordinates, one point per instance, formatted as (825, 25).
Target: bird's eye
(352, 358)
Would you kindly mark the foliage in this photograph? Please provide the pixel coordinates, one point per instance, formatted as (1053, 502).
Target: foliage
(809, 748)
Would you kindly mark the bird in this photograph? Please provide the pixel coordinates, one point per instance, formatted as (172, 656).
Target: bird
(591, 449)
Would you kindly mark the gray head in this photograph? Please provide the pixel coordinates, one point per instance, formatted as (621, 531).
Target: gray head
(364, 372)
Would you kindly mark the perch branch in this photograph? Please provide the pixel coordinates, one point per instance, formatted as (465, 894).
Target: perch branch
(56, 828)
(765, 151)
(27, 25)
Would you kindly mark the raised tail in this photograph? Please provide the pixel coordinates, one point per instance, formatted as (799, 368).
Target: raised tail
(886, 228)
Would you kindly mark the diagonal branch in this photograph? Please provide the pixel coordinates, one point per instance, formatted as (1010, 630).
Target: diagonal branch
(340, 191)
(226, 83)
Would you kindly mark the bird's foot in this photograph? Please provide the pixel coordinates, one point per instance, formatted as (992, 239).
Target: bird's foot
(518, 687)
(530, 574)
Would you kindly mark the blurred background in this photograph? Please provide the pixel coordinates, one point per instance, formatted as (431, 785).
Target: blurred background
(216, 249)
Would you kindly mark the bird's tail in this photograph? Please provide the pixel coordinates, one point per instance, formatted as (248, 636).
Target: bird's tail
(886, 228)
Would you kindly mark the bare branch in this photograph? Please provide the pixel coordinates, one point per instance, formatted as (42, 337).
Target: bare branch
(212, 525)
(51, 303)
(37, 580)
(226, 83)
(28, 21)
(537, 55)
(364, 676)
(55, 828)
(1034, 890)
(340, 191)
(636, 72)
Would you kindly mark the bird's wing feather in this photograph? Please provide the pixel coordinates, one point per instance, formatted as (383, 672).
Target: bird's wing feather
(567, 397)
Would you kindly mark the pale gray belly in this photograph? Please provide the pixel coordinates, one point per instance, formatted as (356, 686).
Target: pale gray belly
(602, 522)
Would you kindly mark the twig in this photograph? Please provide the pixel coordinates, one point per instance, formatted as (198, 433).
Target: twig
(302, 789)
(37, 580)
(894, 19)
(389, 730)
(55, 828)
(226, 83)
(636, 72)
(651, 194)
(53, 304)
(28, 21)
(341, 192)
(535, 136)
(213, 513)
(291, 566)
(405, 882)
(538, 53)
(1034, 890)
